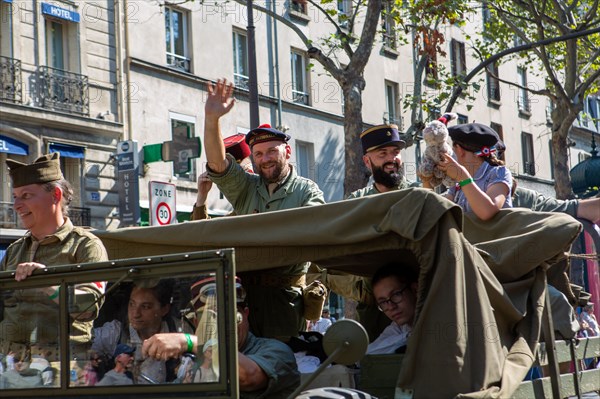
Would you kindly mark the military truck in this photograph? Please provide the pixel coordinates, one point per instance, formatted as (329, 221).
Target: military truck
(480, 300)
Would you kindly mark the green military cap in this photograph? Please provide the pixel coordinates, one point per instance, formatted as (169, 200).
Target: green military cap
(43, 170)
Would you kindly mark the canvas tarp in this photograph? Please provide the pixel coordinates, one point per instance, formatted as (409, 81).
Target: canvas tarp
(474, 331)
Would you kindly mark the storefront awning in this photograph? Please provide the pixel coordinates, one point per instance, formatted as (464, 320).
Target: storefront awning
(67, 151)
(12, 146)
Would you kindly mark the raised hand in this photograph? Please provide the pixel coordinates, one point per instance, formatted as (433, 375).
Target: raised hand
(220, 99)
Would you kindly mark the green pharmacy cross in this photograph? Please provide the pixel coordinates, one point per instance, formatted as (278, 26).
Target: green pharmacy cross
(181, 150)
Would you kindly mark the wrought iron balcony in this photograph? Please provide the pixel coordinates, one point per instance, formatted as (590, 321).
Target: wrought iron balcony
(10, 80)
(8, 216)
(178, 62)
(10, 220)
(63, 91)
(80, 216)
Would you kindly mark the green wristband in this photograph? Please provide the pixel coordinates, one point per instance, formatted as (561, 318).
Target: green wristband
(190, 344)
(463, 183)
(55, 295)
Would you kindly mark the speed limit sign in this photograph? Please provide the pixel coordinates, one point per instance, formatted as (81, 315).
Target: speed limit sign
(163, 214)
(162, 203)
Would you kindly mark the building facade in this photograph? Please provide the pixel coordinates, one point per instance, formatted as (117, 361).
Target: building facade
(60, 93)
(80, 77)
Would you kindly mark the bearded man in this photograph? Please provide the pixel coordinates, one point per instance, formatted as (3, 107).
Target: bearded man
(275, 186)
(381, 154)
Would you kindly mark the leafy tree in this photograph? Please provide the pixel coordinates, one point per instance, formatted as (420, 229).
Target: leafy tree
(572, 66)
(345, 53)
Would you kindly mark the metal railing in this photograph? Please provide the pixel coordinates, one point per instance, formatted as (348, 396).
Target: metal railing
(9, 219)
(178, 62)
(10, 80)
(63, 91)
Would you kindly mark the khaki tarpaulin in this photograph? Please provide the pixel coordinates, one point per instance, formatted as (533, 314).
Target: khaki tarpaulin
(478, 308)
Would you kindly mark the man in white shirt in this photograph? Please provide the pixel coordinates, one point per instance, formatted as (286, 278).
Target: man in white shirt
(395, 291)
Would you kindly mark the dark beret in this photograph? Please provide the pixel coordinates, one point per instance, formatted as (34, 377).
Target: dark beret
(474, 134)
(265, 133)
(236, 146)
(381, 136)
(43, 170)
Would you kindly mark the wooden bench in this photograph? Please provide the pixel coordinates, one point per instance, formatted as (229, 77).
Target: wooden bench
(379, 373)
(580, 380)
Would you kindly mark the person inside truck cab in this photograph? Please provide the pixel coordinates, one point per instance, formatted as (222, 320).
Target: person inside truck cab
(395, 291)
(148, 313)
(267, 367)
(41, 198)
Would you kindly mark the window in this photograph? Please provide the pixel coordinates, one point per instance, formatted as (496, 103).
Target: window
(493, 82)
(183, 128)
(56, 44)
(299, 78)
(523, 99)
(344, 8)
(462, 119)
(549, 110)
(392, 114)
(486, 15)
(551, 152)
(298, 7)
(305, 159)
(176, 39)
(240, 59)
(458, 58)
(498, 128)
(389, 26)
(431, 70)
(6, 16)
(528, 156)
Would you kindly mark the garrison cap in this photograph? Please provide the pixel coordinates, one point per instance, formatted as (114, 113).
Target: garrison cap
(236, 146)
(43, 170)
(476, 135)
(381, 136)
(265, 133)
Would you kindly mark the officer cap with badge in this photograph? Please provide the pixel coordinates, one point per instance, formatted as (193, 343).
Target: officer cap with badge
(381, 136)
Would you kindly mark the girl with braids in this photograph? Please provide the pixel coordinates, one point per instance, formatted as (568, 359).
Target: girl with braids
(484, 183)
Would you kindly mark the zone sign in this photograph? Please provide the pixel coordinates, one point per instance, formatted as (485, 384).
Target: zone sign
(162, 203)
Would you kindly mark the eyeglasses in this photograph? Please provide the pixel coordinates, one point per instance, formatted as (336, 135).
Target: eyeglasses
(394, 299)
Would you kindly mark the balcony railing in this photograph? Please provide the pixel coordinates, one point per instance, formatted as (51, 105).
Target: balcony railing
(63, 91)
(10, 220)
(241, 81)
(80, 216)
(10, 80)
(178, 62)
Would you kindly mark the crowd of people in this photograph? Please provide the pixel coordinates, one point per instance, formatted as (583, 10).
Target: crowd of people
(254, 173)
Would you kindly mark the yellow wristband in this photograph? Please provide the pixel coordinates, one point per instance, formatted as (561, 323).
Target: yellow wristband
(190, 344)
(463, 183)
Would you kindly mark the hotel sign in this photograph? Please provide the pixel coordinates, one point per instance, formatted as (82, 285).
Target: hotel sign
(60, 13)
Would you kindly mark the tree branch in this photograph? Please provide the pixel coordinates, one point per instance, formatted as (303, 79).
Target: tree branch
(307, 42)
(526, 47)
(367, 37)
(344, 38)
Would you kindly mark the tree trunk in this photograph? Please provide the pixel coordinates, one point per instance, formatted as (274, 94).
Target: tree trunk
(356, 173)
(562, 120)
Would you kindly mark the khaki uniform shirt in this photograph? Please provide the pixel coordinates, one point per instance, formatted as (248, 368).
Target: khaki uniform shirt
(30, 317)
(372, 189)
(248, 194)
(530, 199)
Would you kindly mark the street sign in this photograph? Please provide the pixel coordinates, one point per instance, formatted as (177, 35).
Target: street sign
(128, 183)
(162, 203)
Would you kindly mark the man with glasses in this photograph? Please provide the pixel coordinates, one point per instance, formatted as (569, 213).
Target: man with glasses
(395, 291)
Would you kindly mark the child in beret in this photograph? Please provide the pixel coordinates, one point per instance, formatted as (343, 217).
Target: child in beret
(484, 183)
